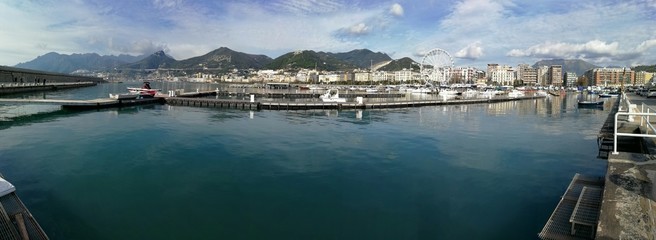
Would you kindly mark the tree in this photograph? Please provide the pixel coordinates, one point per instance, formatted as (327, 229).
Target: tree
(582, 81)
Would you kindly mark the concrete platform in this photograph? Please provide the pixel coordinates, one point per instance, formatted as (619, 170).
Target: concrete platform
(628, 209)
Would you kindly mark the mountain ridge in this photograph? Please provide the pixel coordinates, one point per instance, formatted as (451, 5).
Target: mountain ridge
(224, 59)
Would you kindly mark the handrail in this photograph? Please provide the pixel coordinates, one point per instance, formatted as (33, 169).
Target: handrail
(629, 134)
(644, 107)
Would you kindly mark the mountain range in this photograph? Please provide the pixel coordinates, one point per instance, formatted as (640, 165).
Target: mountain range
(61, 63)
(224, 59)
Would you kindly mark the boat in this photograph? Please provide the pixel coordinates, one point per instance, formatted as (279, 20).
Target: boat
(608, 94)
(124, 96)
(469, 93)
(447, 92)
(554, 93)
(515, 94)
(421, 90)
(332, 95)
(143, 92)
(591, 103)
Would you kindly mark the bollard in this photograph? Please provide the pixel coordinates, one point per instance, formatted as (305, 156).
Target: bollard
(197, 91)
(252, 97)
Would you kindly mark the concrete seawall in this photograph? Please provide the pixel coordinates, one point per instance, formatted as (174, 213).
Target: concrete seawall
(23, 88)
(27, 76)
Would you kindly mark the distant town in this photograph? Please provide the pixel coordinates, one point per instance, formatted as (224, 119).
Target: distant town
(358, 67)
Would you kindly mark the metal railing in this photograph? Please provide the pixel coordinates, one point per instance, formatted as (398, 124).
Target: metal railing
(644, 119)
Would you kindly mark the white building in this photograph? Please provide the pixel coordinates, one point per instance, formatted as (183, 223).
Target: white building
(502, 75)
(403, 76)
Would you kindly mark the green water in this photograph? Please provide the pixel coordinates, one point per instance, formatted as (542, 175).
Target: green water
(484, 171)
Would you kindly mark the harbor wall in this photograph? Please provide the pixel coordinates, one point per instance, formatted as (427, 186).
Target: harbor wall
(20, 75)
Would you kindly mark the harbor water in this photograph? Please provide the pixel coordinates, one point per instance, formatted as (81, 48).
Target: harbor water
(481, 171)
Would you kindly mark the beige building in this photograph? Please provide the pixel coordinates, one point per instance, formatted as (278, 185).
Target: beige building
(642, 77)
(527, 74)
(502, 75)
(610, 76)
(555, 74)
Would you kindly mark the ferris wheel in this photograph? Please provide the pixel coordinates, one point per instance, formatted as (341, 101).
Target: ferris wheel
(436, 66)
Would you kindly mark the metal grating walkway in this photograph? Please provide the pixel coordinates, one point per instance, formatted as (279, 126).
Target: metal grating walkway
(20, 218)
(577, 204)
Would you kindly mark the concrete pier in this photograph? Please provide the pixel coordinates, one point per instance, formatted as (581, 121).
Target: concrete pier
(11, 88)
(27, 76)
(628, 209)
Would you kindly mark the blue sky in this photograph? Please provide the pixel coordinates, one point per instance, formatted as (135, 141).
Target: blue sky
(474, 32)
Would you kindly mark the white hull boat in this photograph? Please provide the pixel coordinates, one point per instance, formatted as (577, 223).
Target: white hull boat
(332, 95)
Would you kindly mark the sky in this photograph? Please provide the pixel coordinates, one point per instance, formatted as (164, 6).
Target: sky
(473, 32)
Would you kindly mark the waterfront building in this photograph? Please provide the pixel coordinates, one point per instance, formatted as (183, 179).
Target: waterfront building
(403, 76)
(570, 79)
(527, 74)
(555, 75)
(501, 75)
(610, 76)
(480, 77)
(543, 75)
(331, 78)
(380, 76)
(362, 76)
(642, 77)
(463, 75)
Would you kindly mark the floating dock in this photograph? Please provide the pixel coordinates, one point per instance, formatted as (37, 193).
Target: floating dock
(288, 105)
(195, 99)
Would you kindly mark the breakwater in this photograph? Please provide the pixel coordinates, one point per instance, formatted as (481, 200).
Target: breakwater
(11, 75)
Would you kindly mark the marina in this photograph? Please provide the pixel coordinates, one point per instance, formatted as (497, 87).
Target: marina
(299, 186)
(575, 216)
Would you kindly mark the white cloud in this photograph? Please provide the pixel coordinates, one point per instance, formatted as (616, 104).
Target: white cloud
(307, 6)
(525, 31)
(167, 3)
(472, 51)
(359, 29)
(396, 10)
(648, 44)
(589, 50)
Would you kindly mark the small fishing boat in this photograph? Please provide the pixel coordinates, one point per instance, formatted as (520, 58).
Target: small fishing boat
(143, 92)
(591, 104)
(515, 94)
(608, 94)
(332, 95)
(127, 96)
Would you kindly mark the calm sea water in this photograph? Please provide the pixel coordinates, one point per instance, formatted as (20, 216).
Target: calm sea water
(484, 171)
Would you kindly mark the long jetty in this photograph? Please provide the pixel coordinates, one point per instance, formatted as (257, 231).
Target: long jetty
(193, 99)
(196, 99)
(10, 88)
